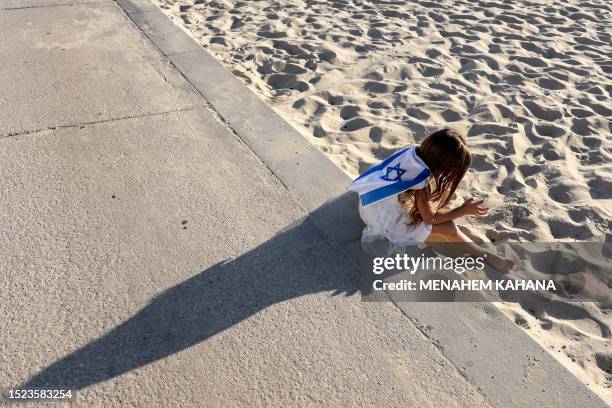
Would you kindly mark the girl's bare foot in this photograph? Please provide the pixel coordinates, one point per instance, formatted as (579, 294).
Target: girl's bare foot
(504, 265)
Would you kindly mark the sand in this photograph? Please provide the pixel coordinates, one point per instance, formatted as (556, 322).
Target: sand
(528, 82)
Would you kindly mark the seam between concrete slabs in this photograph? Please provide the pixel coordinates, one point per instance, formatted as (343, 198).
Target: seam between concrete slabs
(207, 104)
(274, 154)
(73, 125)
(224, 104)
(78, 3)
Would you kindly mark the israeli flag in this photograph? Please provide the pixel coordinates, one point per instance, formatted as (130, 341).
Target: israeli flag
(402, 171)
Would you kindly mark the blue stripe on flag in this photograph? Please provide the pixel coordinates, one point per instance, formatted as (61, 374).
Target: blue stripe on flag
(395, 188)
(383, 164)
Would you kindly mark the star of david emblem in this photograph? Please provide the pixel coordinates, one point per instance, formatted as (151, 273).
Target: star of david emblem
(390, 170)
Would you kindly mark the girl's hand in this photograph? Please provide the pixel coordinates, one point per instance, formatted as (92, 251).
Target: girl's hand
(472, 207)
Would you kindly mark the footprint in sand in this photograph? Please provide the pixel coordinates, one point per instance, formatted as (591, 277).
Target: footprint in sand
(551, 84)
(355, 124)
(581, 113)
(604, 362)
(491, 128)
(375, 134)
(562, 229)
(286, 81)
(549, 130)
(521, 321)
(566, 193)
(543, 113)
(349, 112)
(376, 87)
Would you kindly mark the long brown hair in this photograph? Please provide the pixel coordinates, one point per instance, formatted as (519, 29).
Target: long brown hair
(446, 154)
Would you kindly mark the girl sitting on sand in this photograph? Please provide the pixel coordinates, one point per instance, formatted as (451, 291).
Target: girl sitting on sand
(404, 198)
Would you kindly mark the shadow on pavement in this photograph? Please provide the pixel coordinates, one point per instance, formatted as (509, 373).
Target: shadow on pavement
(296, 262)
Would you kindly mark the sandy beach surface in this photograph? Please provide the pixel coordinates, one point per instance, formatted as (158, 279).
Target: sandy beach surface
(528, 82)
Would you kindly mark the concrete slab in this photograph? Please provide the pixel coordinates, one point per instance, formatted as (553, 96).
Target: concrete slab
(155, 261)
(66, 65)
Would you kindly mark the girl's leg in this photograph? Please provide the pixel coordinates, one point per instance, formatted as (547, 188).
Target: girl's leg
(448, 233)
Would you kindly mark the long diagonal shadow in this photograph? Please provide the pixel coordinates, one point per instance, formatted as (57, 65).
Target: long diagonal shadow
(296, 262)
(300, 260)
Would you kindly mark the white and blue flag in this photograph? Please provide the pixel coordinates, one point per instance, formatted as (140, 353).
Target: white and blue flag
(404, 170)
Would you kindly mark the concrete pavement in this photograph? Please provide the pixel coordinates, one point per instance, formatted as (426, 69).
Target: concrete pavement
(160, 250)
(151, 259)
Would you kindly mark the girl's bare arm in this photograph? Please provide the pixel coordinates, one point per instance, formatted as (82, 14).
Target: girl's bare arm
(432, 216)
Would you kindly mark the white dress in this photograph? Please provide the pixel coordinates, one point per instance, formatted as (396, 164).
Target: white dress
(387, 219)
